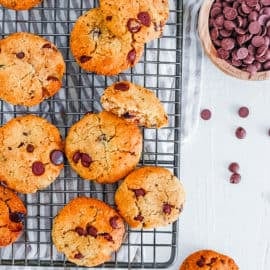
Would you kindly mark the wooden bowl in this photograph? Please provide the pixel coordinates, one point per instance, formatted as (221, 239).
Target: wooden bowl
(210, 50)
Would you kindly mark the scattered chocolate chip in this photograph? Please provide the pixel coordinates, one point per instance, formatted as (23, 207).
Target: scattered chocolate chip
(16, 217)
(57, 157)
(108, 18)
(20, 55)
(85, 58)
(91, 230)
(240, 133)
(139, 218)
(76, 157)
(86, 160)
(144, 18)
(139, 192)
(122, 86)
(206, 114)
(25, 134)
(133, 25)
(234, 167)
(107, 236)
(47, 46)
(38, 168)
(52, 78)
(113, 222)
(243, 112)
(201, 262)
(131, 57)
(167, 208)
(212, 261)
(127, 115)
(78, 256)
(80, 231)
(235, 178)
(21, 144)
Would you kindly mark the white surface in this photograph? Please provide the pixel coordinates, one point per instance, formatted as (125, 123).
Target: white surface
(233, 219)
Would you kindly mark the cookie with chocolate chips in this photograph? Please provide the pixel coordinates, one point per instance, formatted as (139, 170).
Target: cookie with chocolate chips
(103, 147)
(145, 20)
(31, 153)
(31, 69)
(87, 231)
(150, 197)
(97, 49)
(19, 4)
(12, 214)
(207, 260)
(134, 103)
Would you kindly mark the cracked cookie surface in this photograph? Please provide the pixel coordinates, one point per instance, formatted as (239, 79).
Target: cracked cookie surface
(97, 50)
(31, 154)
(145, 20)
(19, 4)
(87, 231)
(208, 260)
(31, 69)
(150, 197)
(135, 104)
(103, 147)
(12, 214)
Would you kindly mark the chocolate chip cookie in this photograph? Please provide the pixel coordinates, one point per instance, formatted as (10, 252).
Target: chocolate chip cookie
(135, 104)
(207, 260)
(103, 147)
(150, 197)
(19, 4)
(145, 20)
(87, 231)
(97, 49)
(31, 154)
(12, 213)
(31, 69)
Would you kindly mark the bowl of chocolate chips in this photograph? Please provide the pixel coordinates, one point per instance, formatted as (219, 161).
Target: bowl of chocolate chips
(235, 34)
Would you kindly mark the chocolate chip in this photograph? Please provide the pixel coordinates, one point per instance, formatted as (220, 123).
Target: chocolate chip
(113, 222)
(139, 192)
(230, 13)
(122, 86)
(16, 217)
(243, 112)
(76, 157)
(108, 18)
(234, 167)
(167, 208)
(86, 160)
(80, 231)
(127, 115)
(47, 46)
(107, 236)
(92, 231)
(85, 58)
(242, 53)
(235, 178)
(52, 78)
(139, 218)
(21, 144)
(30, 148)
(144, 18)
(57, 157)
(78, 256)
(20, 55)
(131, 57)
(206, 114)
(240, 133)
(133, 25)
(201, 262)
(38, 168)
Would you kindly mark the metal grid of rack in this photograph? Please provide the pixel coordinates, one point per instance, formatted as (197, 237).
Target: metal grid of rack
(159, 70)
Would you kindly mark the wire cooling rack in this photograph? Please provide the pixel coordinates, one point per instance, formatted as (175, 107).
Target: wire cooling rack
(159, 70)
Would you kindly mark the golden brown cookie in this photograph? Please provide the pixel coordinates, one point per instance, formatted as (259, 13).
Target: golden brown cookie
(150, 197)
(87, 231)
(12, 214)
(135, 104)
(19, 4)
(97, 50)
(31, 69)
(144, 19)
(208, 260)
(31, 154)
(103, 147)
